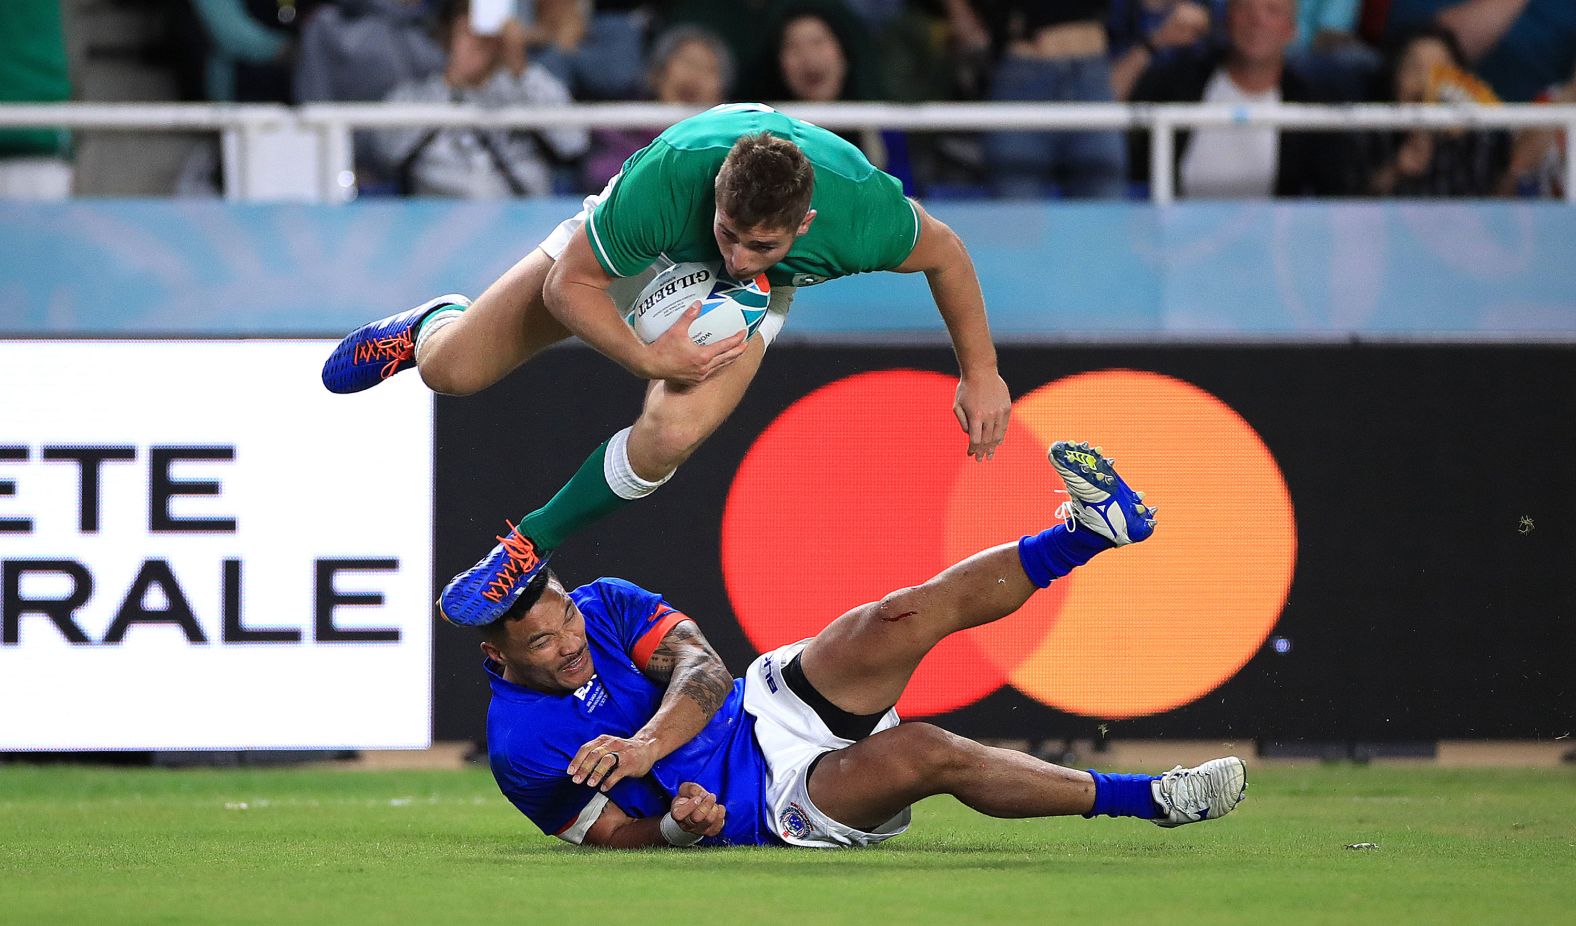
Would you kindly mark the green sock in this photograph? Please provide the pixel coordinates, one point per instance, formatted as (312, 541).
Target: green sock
(584, 499)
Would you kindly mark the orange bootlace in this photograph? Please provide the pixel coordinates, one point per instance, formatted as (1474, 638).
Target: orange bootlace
(522, 559)
(395, 349)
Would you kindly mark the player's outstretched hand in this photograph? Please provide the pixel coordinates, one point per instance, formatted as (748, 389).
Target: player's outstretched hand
(607, 760)
(983, 406)
(677, 359)
(696, 810)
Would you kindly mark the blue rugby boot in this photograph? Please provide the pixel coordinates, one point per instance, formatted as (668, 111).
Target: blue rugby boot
(1100, 500)
(482, 593)
(376, 351)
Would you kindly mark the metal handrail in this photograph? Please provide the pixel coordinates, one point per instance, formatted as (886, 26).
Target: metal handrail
(333, 122)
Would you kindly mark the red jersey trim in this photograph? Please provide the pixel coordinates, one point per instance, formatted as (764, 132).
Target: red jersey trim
(665, 619)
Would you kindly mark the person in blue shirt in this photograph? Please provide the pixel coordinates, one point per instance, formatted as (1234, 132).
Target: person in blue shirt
(613, 722)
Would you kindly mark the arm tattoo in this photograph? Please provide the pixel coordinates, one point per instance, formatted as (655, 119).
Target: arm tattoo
(687, 664)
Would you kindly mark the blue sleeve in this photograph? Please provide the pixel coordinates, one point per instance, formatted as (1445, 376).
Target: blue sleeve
(551, 801)
(554, 803)
(632, 615)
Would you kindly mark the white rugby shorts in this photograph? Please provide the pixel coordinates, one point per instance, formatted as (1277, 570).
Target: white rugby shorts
(792, 735)
(625, 289)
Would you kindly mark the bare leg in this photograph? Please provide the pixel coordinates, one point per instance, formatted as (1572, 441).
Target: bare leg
(672, 423)
(506, 326)
(862, 661)
(870, 782)
(675, 420)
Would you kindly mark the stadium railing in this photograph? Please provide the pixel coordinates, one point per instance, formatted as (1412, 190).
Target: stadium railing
(278, 152)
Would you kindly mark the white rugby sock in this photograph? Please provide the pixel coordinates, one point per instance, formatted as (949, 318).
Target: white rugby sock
(446, 315)
(620, 476)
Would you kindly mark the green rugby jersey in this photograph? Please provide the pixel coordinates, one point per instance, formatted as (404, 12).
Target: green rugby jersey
(663, 202)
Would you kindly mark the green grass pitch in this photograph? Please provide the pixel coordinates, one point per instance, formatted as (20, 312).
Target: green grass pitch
(95, 845)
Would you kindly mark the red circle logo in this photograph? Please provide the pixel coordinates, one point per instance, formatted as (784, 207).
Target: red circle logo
(861, 487)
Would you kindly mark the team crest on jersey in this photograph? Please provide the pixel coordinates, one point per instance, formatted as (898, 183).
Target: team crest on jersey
(807, 279)
(795, 822)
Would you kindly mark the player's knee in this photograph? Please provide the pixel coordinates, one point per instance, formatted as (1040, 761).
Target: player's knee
(444, 376)
(912, 607)
(674, 440)
(898, 605)
(934, 757)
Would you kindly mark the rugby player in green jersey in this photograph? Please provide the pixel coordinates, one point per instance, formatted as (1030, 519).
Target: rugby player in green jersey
(764, 191)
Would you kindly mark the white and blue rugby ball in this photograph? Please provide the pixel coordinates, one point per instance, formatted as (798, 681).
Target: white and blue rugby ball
(727, 305)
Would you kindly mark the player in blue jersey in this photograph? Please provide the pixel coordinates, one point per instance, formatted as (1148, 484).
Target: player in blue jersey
(614, 723)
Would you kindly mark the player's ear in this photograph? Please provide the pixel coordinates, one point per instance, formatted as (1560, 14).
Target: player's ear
(805, 225)
(492, 652)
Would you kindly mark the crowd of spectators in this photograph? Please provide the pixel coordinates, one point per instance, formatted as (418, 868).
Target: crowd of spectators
(698, 53)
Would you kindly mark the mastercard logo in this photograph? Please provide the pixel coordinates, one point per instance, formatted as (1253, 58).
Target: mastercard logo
(862, 487)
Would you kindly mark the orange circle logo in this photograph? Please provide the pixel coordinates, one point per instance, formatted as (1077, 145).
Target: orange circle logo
(861, 487)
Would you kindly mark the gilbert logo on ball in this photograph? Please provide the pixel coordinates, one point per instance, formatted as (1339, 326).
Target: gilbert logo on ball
(727, 306)
(900, 501)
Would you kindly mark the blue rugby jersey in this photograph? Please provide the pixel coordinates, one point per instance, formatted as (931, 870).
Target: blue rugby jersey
(533, 735)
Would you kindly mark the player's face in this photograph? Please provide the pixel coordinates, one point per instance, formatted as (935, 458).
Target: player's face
(748, 250)
(546, 650)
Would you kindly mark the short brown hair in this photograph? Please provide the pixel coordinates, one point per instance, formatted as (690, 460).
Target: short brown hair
(765, 181)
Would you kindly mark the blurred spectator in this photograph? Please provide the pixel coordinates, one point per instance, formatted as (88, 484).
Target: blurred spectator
(1328, 52)
(1145, 33)
(355, 51)
(593, 47)
(739, 23)
(878, 14)
(34, 163)
(1537, 160)
(688, 65)
(1429, 67)
(822, 56)
(918, 60)
(1326, 25)
(1244, 162)
(1519, 46)
(1372, 20)
(916, 65)
(1046, 52)
(240, 51)
(818, 52)
(474, 162)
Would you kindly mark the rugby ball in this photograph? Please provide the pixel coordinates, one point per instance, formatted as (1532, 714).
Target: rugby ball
(726, 305)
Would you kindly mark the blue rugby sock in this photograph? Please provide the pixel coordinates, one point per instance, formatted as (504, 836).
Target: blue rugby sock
(1119, 795)
(1053, 553)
